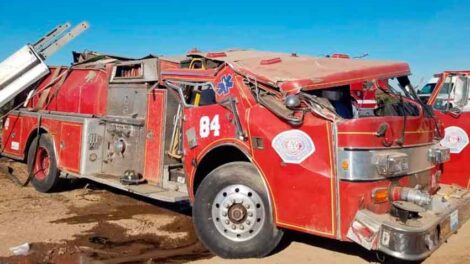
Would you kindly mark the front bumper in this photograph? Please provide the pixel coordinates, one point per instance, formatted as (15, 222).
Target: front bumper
(417, 238)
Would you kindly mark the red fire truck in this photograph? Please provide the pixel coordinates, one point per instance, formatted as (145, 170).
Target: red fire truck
(258, 142)
(448, 94)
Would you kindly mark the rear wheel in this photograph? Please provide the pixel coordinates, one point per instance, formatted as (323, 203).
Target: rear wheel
(232, 213)
(44, 166)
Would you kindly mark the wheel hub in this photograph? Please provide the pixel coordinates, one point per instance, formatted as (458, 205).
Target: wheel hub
(42, 164)
(238, 212)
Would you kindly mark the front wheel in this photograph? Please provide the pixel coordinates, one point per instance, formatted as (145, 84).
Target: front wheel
(232, 213)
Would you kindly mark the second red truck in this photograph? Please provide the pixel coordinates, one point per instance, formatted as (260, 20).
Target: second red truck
(448, 94)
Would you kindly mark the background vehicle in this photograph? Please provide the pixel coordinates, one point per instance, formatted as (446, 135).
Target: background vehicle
(425, 92)
(257, 141)
(449, 100)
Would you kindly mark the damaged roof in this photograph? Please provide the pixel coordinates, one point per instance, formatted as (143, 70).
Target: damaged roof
(292, 72)
(90, 57)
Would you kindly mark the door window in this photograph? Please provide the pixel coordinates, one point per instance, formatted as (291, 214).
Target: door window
(194, 93)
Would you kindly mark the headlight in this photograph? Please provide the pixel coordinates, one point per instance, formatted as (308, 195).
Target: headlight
(438, 154)
(391, 164)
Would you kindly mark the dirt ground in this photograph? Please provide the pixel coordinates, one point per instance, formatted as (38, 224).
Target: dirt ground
(91, 223)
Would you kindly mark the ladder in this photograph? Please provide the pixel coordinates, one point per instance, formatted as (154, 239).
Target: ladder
(26, 66)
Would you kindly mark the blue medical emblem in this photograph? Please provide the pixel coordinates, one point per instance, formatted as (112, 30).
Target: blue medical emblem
(225, 84)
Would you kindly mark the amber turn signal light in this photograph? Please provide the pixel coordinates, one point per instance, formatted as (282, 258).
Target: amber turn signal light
(380, 195)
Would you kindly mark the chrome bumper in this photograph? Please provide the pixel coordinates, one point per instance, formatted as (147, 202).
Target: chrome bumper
(418, 238)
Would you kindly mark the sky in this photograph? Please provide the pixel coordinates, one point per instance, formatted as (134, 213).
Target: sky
(431, 36)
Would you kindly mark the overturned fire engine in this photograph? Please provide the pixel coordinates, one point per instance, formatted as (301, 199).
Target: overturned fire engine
(258, 142)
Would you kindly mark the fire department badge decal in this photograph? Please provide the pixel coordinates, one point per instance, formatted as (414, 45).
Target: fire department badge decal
(293, 146)
(455, 138)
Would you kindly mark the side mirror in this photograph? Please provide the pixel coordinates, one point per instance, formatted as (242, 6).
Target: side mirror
(455, 112)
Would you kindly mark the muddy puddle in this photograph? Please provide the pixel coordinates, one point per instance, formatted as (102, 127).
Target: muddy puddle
(107, 243)
(106, 247)
(116, 228)
(123, 234)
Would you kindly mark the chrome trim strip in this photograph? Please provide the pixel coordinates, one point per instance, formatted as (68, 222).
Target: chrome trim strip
(361, 168)
(393, 147)
(76, 118)
(337, 180)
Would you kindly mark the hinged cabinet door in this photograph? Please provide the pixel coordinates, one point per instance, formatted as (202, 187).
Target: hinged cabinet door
(70, 146)
(12, 135)
(154, 135)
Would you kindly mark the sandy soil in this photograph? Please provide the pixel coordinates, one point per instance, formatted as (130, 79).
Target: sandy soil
(88, 223)
(308, 249)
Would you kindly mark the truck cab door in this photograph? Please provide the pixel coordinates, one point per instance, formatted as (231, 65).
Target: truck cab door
(450, 101)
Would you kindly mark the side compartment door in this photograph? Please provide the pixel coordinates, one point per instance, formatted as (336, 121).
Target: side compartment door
(12, 137)
(154, 135)
(70, 146)
(452, 107)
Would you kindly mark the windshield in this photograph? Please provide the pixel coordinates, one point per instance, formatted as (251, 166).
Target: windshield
(446, 89)
(398, 88)
(384, 97)
(445, 95)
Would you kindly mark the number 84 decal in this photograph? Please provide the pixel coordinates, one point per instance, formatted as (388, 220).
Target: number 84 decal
(206, 126)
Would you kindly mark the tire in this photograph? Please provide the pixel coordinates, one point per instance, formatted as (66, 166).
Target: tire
(231, 196)
(45, 172)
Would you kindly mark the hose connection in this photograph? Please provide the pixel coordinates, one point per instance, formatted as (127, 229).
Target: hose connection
(416, 196)
(411, 195)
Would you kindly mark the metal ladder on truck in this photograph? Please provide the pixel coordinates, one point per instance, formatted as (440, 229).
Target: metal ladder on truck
(26, 66)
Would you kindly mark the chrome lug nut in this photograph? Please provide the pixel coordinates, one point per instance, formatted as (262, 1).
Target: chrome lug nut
(234, 227)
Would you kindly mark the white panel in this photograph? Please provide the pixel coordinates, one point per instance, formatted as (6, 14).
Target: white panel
(17, 63)
(23, 82)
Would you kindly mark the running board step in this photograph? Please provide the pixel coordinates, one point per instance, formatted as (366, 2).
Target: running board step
(146, 190)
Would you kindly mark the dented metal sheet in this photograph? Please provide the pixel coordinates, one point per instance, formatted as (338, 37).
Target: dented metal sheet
(293, 72)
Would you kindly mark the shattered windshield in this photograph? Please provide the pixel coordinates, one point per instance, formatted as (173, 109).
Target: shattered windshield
(393, 98)
(387, 97)
(398, 89)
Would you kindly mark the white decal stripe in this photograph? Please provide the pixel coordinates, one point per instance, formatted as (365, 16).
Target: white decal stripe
(367, 101)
